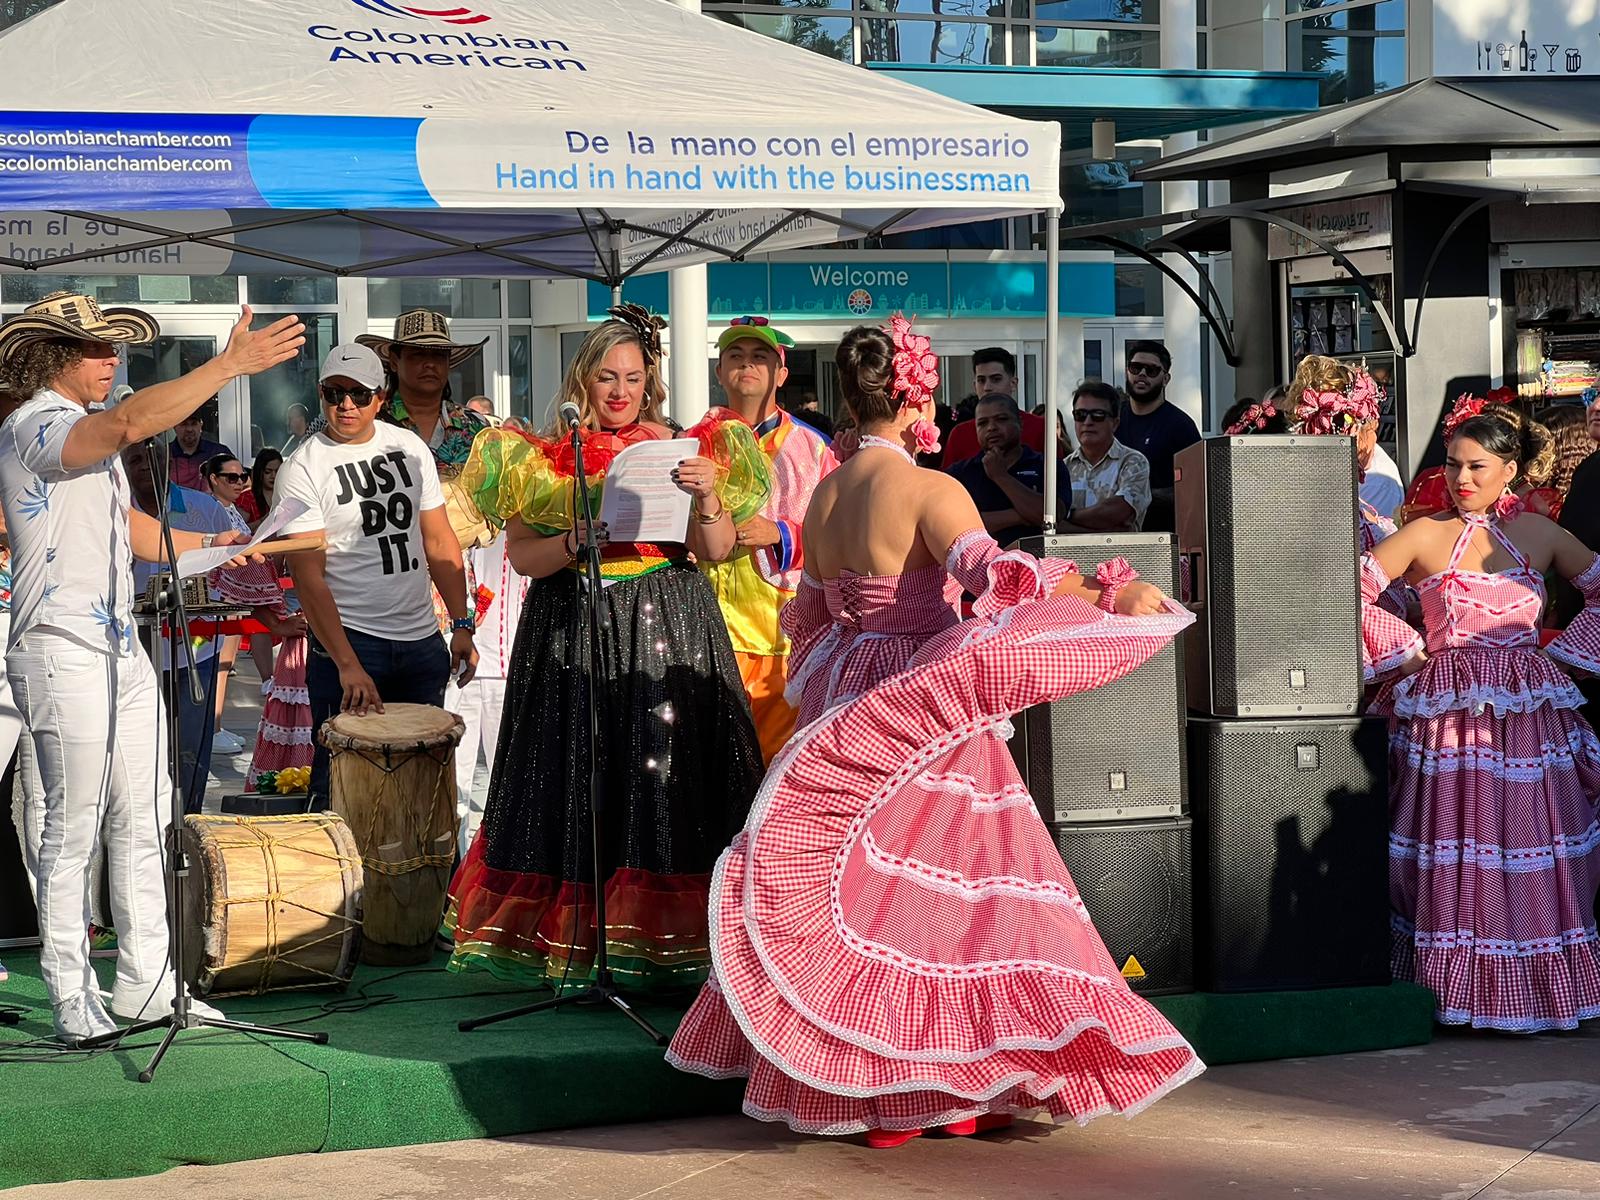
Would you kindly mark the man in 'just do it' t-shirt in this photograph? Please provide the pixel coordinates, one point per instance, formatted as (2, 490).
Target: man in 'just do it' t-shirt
(371, 489)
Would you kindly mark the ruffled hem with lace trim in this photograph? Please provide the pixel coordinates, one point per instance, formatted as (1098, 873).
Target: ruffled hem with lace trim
(1476, 679)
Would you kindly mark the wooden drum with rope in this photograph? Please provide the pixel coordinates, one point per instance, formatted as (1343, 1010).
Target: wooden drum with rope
(392, 777)
(274, 904)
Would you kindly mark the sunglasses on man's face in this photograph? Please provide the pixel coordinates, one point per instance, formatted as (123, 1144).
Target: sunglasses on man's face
(1085, 415)
(1142, 368)
(233, 476)
(359, 396)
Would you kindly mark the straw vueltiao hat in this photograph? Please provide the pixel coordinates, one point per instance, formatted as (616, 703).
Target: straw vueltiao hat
(424, 328)
(79, 318)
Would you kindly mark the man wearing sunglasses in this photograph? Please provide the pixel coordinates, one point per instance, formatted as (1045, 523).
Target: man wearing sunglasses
(1110, 482)
(371, 488)
(1153, 427)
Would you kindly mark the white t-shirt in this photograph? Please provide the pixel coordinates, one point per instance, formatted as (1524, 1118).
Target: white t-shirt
(497, 634)
(369, 498)
(71, 561)
(1381, 488)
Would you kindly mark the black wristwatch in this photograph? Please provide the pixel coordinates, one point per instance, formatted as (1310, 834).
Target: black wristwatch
(462, 625)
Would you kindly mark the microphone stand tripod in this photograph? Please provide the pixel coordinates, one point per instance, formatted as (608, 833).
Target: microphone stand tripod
(174, 626)
(604, 989)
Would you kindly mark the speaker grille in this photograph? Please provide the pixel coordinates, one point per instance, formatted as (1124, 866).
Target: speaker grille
(1116, 752)
(1293, 822)
(1134, 877)
(1274, 511)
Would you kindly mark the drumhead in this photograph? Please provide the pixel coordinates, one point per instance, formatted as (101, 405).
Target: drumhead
(397, 726)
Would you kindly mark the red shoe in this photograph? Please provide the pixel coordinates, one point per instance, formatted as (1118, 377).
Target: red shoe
(888, 1139)
(981, 1124)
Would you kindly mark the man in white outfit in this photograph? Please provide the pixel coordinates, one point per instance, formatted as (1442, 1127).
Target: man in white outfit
(83, 684)
(482, 700)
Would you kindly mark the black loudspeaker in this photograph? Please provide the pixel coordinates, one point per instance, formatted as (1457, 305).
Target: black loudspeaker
(19, 923)
(1134, 877)
(1271, 574)
(1292, 877)
(1114, 753)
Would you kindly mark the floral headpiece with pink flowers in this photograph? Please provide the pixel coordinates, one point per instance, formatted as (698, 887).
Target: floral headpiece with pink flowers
(1339, 412)
(1255, 417)
(916, 366)
(1468, 406)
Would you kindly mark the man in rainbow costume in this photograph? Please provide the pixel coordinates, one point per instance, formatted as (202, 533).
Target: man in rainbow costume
(755, 583)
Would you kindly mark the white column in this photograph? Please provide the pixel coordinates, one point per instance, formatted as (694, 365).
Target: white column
(689, 382)
(689, 376)
(1181, 321)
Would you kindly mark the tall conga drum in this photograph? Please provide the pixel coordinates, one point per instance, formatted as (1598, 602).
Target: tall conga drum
(392, 778)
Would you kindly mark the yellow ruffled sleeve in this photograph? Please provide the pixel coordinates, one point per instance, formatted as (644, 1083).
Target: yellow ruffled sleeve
(511, 474)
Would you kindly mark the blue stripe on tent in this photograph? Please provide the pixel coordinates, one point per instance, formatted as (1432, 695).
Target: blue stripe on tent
(124, 161)
(338, 162)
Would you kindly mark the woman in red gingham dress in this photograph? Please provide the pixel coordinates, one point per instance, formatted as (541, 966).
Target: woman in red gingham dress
(896, 944)
(1494, 848)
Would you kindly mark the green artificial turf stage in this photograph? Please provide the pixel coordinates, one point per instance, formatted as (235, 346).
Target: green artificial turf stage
(397, 1072)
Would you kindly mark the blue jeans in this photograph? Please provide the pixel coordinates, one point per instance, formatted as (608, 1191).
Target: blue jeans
(403, 672)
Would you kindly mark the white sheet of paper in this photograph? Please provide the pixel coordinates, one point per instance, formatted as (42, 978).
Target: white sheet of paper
(202, 562)
(641, 503)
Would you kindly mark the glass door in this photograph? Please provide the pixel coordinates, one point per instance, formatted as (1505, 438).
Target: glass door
(186, 343)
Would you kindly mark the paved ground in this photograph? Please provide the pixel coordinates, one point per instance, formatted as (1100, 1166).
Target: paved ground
(1471, 1117)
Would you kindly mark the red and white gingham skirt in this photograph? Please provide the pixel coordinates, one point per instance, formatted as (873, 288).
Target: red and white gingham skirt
(896, 943)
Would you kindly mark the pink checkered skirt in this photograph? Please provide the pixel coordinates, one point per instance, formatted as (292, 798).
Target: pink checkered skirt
(1494, 851)
(895, 941)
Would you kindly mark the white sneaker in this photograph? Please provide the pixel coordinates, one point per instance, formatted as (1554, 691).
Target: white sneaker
(81, 1017)
(223, 742)
(160, 1005)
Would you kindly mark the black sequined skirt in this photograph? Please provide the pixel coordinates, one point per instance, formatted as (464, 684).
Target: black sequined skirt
(679, 764)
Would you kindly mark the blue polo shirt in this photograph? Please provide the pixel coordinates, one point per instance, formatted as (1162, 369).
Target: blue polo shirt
(1028, 470)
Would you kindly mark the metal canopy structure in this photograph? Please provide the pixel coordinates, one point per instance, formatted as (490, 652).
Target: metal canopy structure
(1142, 104)
(1529, 140)
(1432, 120)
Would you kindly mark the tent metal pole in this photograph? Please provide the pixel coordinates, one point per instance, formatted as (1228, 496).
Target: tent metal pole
(1052, 361)
(615, 244)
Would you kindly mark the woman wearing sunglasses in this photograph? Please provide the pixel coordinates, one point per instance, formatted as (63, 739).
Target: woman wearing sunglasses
(226, 479)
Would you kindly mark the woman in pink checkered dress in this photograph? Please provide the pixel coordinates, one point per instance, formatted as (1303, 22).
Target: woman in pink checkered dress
(1494, 848)
(896, 944)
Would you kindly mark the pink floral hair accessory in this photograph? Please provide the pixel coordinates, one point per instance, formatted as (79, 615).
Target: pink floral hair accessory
(1339, 412)
(916, 366)
(1254, 417)
(1464, 409)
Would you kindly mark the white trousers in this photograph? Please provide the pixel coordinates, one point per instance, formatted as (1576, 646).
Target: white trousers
(480, 705)
(99, 745)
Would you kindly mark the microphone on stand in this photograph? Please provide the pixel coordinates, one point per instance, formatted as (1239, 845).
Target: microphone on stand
(569, 415)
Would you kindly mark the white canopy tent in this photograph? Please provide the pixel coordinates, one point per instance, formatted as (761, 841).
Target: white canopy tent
(500, 138)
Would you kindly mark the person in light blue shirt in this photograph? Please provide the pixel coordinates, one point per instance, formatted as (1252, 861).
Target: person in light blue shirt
(194, 512)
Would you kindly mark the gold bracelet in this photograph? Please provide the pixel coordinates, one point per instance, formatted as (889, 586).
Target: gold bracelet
(713, 518)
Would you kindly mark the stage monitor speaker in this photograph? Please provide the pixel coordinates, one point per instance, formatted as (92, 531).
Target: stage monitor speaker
(1114, 753)
(1267, 545)
(19, 923)
(1134, 877)
(1292, 875)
